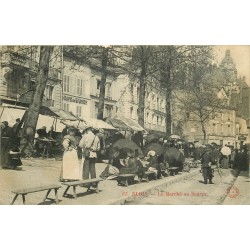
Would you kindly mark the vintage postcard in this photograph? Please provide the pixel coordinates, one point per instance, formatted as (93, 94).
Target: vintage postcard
(133, 125)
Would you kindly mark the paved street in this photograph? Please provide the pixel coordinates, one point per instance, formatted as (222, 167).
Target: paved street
(45, 171)
(194, 192)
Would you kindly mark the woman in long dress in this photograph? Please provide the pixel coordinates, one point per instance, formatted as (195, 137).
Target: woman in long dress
(70, 163)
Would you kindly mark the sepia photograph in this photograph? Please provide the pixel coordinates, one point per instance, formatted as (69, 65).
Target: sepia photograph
(125, 124)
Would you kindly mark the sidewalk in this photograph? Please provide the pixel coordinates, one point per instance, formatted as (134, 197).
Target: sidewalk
(240, 192)
(45, 171)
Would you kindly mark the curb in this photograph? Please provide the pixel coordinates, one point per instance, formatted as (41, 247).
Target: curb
(161, 183)
(234, 183)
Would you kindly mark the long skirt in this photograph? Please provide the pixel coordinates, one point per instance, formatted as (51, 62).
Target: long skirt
(71, 169)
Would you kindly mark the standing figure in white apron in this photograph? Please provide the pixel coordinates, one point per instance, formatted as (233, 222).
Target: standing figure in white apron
(70, 164)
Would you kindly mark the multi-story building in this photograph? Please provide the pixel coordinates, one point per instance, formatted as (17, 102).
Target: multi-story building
(81, 89)
(19, 66)
(76, 88)
(221, 129)
(127, 95)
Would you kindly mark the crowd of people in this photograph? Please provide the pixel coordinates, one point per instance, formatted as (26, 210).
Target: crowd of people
(82, 149)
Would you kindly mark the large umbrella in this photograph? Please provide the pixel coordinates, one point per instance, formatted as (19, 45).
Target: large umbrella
(174, 137)
(159, 149)
(225, 151)
(152, 137)
(125, 144)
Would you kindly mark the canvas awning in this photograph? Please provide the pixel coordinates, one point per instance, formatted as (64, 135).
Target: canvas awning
(97, 123)
(63, 114)
(10, 113)
(132, 124)
(118, 124)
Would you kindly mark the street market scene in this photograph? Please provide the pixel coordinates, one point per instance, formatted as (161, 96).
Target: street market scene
(133, 125)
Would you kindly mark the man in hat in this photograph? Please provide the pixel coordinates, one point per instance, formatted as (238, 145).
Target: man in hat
(207, 161)
(89, 142)
(14, 128)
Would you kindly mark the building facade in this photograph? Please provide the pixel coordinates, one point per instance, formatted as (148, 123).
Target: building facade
(18, 68)
(127, 95)
(81, 90)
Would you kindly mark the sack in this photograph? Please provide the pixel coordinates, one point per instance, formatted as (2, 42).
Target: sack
(85, 152)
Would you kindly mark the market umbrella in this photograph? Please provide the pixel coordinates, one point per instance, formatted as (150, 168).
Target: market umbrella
(124, 144)
(215, 154)
(225, 151)
(159, 149)
(174, 137)
(152, 137)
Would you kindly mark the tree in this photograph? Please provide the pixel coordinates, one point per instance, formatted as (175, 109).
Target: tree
(141, 67)
(199, 94)
(32, 114)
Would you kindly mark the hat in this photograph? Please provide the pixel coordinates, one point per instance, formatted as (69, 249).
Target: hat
(151, 153)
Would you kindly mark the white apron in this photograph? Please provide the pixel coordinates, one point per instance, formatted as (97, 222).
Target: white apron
(71, 168)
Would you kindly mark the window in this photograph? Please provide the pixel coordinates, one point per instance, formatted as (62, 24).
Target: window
(78, 111)
(131, 112)
(48, 92)
(108, 90)
(108, 110)
(96, 109)
(66, 107)
(229, 129)
(163, 122)
(214, 128)
(153, 119)
(98, 84)
(32, 85)
(66, 83)
(79, 86)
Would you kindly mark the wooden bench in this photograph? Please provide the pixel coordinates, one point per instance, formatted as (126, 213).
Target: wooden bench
(87, 182)
(146, 175)
(173, 170)
(126, 178)
(26, 191)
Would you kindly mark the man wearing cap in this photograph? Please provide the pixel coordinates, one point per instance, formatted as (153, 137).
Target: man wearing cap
(90, 142)
(206, 161)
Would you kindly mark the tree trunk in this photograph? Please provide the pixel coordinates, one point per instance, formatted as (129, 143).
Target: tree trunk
(103, 83)
(36, 102)
(204, 132)
(168, 114)
(142, 89)
(166, 78)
